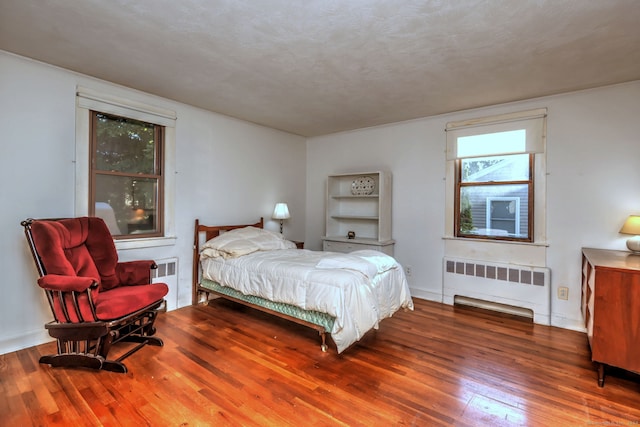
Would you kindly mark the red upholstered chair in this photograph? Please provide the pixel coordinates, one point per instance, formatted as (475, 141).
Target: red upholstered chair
(96, 301)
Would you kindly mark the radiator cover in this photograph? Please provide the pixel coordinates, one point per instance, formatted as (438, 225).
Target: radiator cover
(167, 272)
(522, 286)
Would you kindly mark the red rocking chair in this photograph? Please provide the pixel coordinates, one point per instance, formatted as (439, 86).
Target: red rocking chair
(96, 301)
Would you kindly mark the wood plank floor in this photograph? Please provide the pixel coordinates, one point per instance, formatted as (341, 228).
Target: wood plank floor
(223, 364)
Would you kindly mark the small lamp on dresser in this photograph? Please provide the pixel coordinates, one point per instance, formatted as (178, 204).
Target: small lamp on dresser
(281, 212)
(632, 226)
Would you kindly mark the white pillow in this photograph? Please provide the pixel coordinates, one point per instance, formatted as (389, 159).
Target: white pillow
(243, 241)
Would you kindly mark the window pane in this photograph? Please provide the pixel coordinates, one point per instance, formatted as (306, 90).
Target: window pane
(514, 167)
(128, 205)
(124, 145)
(495, 210)
(513, 141)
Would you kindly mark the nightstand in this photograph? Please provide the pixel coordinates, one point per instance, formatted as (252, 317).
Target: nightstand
(299, 245)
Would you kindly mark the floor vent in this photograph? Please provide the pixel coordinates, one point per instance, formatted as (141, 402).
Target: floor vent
(493, 306)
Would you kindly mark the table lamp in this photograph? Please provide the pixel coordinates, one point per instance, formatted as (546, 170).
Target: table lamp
(281, 212)
(632, 226)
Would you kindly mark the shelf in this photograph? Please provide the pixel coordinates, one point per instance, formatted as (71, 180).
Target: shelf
(366, 215)
(351, 196)
(360, 240)
(358, 217)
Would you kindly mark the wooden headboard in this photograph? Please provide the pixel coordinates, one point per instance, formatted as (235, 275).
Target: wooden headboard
(209, 232)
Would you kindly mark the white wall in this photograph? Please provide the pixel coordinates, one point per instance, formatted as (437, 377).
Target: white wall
(412, 152)
(593, 166)
(233, 171)
(227, 171)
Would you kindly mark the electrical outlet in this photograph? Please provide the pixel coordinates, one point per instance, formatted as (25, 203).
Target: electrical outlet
(407, 270)
(563, 292)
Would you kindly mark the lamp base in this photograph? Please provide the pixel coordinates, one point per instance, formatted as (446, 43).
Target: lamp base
(634, 244)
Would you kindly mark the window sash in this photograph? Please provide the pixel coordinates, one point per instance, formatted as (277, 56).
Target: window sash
(459, 185)
(157, 176)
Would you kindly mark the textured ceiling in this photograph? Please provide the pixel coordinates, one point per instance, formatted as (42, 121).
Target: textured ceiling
(314, 67)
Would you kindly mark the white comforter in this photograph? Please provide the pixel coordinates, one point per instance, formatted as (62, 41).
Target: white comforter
(358, 289)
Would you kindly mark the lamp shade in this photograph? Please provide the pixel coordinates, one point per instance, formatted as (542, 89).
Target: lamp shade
(632, 226)
(281, 211)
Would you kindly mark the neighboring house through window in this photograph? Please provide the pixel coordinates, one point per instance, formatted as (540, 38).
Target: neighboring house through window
(495, 175)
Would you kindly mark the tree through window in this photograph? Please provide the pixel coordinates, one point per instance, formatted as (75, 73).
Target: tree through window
(126, 181)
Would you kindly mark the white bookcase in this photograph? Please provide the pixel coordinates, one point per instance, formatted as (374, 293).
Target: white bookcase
(358, 203)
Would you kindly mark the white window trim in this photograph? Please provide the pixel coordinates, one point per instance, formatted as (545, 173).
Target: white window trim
(540, 176)
(533, 121)
(87, 100)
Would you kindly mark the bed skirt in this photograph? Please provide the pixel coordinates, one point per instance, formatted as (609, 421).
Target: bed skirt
(317, 318)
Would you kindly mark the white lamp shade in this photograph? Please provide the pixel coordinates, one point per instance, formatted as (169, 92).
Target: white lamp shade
(281, 211)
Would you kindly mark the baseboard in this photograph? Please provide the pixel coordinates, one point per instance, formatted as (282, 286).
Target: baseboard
(29, 339)
(429, 296)
(566, 323)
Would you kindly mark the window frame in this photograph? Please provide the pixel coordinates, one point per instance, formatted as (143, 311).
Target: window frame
(536, 121)
(459, 185)
(126, 103)
(158, 136)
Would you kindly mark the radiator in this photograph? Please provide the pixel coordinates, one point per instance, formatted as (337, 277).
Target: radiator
(167, 272)
(497, 286)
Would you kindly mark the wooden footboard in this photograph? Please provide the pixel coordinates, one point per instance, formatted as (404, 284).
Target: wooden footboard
(202, 234)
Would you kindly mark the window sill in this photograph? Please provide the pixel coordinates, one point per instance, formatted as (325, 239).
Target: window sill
(503, 242)
(151, 242)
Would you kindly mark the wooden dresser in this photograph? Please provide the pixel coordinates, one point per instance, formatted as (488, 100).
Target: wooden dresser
(611, 308)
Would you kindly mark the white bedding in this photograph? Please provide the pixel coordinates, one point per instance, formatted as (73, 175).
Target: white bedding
(358, 289)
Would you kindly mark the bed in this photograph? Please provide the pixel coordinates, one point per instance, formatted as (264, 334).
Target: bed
(344, 295)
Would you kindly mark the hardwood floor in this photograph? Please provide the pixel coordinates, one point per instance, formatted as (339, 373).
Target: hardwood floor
(223, 364)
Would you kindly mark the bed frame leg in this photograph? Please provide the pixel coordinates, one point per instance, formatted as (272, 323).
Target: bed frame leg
(206, 297)
(323, 347)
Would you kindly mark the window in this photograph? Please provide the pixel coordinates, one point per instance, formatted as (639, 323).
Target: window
(126, 182)
(495, 170)
(126, 173)
(503, 213)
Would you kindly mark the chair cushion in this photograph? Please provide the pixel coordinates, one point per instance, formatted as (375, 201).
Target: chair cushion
(77, 247)
(118, 302)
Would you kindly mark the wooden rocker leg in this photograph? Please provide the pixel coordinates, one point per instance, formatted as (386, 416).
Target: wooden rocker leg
(84, 354)
(88, 346)
(73, 361)
(114, 366)
(83, 361)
